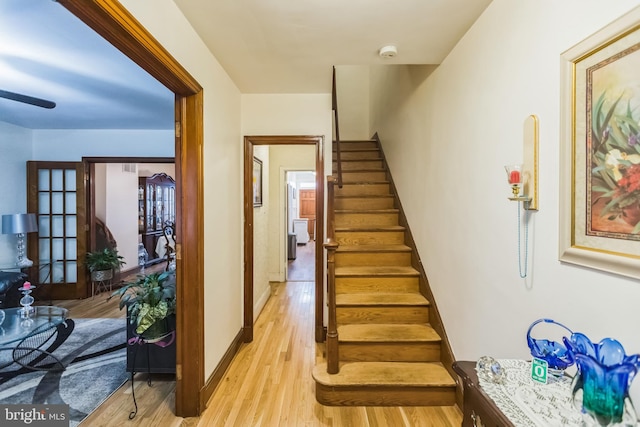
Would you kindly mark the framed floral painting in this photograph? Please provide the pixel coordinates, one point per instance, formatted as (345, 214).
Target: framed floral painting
(600, 157)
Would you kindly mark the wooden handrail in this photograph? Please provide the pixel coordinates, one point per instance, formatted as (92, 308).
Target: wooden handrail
(331, 246)
(334, 106)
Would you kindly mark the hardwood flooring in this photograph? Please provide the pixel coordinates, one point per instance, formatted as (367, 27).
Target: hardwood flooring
(268, 384)
(302, 269)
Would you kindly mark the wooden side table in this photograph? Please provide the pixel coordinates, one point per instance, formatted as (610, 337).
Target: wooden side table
(478, 408)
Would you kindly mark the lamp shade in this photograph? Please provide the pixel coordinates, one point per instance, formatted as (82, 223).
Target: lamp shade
(19, 223)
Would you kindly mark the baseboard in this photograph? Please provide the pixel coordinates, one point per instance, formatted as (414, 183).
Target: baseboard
(212, 382)
(261, 302)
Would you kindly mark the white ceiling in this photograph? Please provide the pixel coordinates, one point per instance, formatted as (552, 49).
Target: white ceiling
(289, 46)
(274, 46)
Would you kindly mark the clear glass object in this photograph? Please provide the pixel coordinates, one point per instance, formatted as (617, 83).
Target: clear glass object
(600, 389)
(27, 300)
(489, 369)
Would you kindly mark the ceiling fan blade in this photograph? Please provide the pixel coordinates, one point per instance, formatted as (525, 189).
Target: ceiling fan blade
(27, 99)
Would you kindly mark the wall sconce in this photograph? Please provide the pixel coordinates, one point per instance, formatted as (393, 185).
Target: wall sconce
(523, 179)
(20, 224)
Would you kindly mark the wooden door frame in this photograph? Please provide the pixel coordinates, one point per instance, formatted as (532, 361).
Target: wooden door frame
(249, 143)
(112, 21)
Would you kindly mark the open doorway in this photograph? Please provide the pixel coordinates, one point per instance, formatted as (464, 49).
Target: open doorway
(131, 199)
(301, 225)
(252, 218)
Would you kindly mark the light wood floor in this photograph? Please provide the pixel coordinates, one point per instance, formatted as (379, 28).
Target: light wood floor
(268, 384)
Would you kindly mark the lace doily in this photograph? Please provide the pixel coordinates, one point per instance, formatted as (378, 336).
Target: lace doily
(530, 404)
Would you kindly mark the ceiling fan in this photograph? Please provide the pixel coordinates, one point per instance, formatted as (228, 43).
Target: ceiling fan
(38, 102)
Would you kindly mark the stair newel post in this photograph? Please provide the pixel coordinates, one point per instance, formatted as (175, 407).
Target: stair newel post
(331, 246)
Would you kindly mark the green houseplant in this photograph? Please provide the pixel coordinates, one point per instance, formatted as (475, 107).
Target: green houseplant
(102, 263)
(149, 299)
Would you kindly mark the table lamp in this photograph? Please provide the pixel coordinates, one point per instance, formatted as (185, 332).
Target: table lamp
(20, 224)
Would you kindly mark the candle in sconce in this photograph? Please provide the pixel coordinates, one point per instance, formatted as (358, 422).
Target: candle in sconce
(27, 285)
(514, 177)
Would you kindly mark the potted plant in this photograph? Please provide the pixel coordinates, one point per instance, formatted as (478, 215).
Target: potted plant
(150, 300)
(102, 263)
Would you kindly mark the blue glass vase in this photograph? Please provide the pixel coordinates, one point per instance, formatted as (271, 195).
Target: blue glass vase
(600, 389)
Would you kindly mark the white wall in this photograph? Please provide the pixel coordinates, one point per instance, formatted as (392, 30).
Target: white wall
(122, 211)
(447, 136)
(283, 158)
(47, 143)
(100, 191)
(15, 150)
(352, 87)
(222, 172)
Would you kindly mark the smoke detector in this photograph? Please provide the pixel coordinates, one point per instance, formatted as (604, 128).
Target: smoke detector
(388, 51)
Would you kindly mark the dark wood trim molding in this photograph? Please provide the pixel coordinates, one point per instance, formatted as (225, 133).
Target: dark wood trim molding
(113, 22)
(249, 142)
(218, 373)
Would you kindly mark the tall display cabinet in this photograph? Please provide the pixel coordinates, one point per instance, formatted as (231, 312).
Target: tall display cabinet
(156, 207)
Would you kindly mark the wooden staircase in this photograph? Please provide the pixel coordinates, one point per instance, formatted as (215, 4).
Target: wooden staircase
(389, 354)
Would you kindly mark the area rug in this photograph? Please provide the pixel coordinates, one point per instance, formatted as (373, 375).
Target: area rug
(94, 353)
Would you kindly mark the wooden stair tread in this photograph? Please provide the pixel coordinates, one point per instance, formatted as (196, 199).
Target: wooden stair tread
(400, 333)
(363, 183)
(366, 196)
(371, 228)
(413, 374)
(379, 169)
(374, 248)
(383, 271)
(367, 211)
(381, 299)
(368, 159)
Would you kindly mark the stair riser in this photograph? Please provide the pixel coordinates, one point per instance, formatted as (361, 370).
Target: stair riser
(377, 314)
(364, 203)
(355, 165)
(373, 284)
(370, 238)
(363, 176)
(370, 219)
(359, 155)
(385, 396)
(390, 352)
(373, 259)
(363, 190)
(360, 145)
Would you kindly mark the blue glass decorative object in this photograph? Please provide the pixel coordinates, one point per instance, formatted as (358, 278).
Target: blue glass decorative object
(557, 356)
(600, 389)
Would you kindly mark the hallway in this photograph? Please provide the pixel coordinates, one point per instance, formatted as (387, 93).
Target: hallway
(269, 382)
(302, 269)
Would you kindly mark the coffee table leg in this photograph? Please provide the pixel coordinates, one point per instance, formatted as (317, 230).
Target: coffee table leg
(28, 353)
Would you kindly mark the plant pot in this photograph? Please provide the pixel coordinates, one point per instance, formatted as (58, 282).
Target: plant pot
(101, 275)
(150, 356)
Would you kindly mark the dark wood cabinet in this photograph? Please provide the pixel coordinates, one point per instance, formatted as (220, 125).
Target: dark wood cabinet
(478, 408)
(156, 207)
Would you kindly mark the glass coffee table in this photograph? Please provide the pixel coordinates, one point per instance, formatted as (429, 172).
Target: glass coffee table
(26, 336)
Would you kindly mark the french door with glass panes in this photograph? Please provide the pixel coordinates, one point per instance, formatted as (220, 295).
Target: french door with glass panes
(57, 195)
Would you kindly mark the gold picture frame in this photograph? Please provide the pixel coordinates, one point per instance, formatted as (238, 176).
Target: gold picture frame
(600, 150)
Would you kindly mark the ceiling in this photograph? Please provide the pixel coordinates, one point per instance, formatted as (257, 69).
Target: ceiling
(275, 46)
(289, 46)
